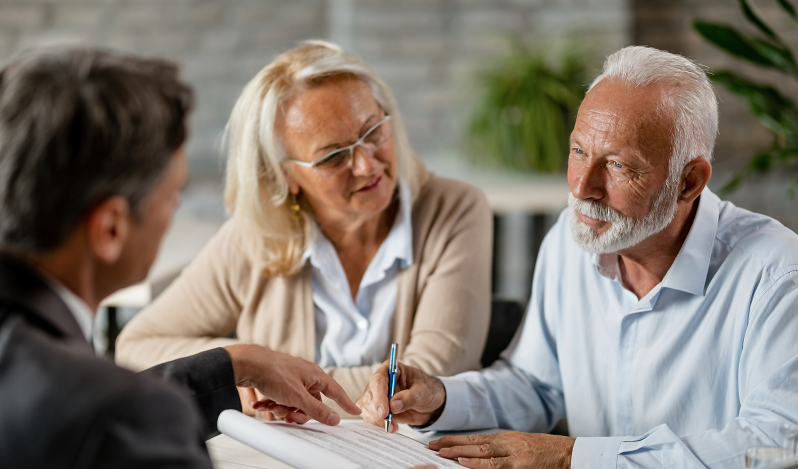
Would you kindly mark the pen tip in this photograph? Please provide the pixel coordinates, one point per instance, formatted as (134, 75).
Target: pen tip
(387, 425)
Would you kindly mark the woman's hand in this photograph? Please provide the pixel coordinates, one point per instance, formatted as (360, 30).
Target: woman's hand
(289, 385)
(418, 399)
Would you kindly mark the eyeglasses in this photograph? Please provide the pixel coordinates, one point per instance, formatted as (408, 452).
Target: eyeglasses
(339, 160)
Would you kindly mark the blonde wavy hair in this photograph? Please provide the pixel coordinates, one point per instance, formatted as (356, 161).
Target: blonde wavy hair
(256, 188)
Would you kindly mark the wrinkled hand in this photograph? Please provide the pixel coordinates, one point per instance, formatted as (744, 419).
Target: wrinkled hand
(507, 450)
(419, 397)
(290, 385)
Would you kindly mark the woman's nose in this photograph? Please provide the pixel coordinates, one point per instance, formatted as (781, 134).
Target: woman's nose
(364, 163)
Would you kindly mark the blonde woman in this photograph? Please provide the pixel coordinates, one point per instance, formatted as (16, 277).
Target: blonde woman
(340, 242)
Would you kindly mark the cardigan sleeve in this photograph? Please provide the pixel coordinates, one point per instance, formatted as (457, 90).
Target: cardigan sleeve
(195, 312)
(447, 290)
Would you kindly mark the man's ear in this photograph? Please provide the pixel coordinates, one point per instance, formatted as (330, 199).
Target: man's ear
(108, 225)
(695, 177)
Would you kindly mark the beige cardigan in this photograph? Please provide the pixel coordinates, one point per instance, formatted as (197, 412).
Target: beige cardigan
(442, 300)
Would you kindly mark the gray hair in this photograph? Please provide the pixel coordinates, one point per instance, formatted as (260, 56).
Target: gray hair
(78, 125)
(693, 103)
(256, 188)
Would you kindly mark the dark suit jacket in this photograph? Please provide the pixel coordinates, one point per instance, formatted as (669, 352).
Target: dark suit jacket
(63, 407)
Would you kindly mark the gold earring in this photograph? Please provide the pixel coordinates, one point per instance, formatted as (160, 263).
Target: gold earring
(295, 206)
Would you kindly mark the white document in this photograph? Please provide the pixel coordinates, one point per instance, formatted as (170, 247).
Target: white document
(355, 445)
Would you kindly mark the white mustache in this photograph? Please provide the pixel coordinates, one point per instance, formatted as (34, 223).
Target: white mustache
(595, 210)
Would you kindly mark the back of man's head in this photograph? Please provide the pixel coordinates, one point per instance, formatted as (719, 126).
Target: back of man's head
(79, 125)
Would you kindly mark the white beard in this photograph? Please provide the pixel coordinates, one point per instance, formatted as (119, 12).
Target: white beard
(624, 232)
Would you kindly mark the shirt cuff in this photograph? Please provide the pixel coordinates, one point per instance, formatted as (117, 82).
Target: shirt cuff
(595, 452)
(455, 411)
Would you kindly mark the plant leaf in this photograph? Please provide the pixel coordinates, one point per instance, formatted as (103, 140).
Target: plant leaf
(779, 56)
(753, 18)
(775, 111)
(761, 162)
(787, 153)
(522, 119)
(731, 41)
(787, 6)
(793, 190)
(732, 184)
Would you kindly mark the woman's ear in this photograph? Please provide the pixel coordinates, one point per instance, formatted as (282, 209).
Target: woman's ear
(108, 225)
(293, 186)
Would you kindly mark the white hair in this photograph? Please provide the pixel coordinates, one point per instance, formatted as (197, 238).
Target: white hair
(256, 188)
(693, 103)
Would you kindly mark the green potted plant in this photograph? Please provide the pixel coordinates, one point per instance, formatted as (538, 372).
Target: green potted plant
(526, 110)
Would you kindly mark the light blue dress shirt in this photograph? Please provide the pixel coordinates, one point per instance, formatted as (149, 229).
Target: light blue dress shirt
(673, 379)
(358, 332)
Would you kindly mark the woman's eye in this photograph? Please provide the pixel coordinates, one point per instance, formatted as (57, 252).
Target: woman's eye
(578, 151)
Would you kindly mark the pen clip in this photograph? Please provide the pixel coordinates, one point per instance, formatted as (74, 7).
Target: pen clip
(394, 361)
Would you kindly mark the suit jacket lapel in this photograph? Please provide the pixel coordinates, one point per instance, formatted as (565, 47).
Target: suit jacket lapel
(22, 286)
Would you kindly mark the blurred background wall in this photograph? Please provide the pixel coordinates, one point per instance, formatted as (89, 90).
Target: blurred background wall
(428, 51)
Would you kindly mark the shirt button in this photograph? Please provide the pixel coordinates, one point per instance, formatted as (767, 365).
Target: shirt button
(362, 324)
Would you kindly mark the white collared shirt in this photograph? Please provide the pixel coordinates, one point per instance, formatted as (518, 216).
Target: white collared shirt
(673, 379)
(354, 333)
(79, 309)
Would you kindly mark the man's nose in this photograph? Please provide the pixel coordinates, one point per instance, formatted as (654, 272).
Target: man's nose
(586, 181)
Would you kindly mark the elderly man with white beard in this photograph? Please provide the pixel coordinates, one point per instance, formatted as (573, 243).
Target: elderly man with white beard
(662, 321)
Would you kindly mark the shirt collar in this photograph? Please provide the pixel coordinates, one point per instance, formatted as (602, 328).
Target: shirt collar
(83, 315)
(688, 273)
(689, 270)
(401, 246)
(398, 245)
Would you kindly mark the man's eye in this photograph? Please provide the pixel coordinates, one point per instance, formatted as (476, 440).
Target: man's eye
(578, 151)
(617, 165)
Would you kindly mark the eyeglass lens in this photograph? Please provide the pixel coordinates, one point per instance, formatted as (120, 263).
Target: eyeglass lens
(370, 142)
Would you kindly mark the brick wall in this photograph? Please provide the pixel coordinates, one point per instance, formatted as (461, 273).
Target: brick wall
(220, 44)
(426, 50)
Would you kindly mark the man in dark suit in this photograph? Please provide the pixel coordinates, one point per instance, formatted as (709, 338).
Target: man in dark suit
(91, 169)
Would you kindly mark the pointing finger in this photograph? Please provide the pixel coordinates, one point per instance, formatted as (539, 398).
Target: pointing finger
(316, 409)
(297, 417)
(334, 391)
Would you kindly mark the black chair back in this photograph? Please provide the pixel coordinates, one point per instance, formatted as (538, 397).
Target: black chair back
(505, 317)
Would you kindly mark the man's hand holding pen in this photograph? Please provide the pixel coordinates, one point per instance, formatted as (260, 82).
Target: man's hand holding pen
(419, 397)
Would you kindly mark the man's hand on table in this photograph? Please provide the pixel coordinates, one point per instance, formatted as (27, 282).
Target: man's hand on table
(291, 387)
(418, 399)
(507, 450)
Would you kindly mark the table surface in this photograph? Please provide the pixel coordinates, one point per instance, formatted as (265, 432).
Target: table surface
(227, 453)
